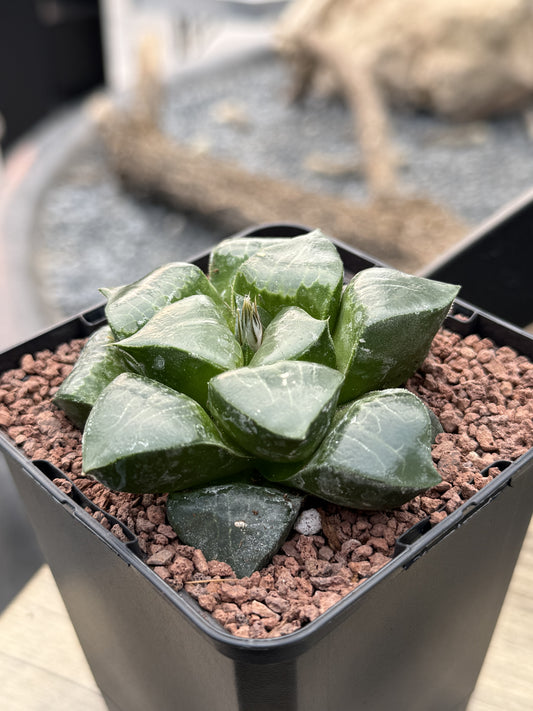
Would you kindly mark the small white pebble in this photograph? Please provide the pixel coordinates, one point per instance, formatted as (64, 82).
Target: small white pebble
(240, 524)
(308, 522)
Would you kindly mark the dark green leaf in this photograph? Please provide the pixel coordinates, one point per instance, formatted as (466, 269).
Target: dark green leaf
(377, 454)
(227, 256)
(295, 335)
(436, 427)
(130, 307)
(184, 345)
(304, 271)
(278, 412)
(95, 368)
(142, 436)
(239, 523)
(386, 323)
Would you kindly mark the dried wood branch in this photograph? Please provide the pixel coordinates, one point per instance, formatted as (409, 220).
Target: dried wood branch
(229, 197)
(462, 60)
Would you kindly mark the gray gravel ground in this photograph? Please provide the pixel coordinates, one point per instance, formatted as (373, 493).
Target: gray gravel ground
(92, 234)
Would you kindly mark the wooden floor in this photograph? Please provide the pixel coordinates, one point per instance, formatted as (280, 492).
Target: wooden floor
(506, 681)
(42, 666)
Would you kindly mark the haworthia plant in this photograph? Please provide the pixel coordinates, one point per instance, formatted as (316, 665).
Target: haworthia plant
(142, 436)
(386, 323)
(295, 335)
(304, 271)
(95, 368)
(299, 381)
(278, 412)
(239, 522)
(129, 307)
(376, 455)
(184, 345)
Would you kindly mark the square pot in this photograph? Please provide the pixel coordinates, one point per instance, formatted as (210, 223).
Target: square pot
(494, 263)
(411, 638)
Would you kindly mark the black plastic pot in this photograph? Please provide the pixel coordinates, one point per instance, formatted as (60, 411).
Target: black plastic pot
(493, 264)
(411, 638)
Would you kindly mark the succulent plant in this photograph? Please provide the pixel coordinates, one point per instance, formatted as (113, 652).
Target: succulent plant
(242, 391)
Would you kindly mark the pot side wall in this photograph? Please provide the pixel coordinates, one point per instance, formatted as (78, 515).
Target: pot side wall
(413, 640)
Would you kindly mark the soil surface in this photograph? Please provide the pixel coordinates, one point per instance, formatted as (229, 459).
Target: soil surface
(482, 394)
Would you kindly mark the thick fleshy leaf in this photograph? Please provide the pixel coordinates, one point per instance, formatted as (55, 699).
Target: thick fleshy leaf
(303, 271)
(239, 523)
(278, 412)
(95, 368)
(436, 427)
(129, 307)
(227, 256)
(377, 454)
(142, 436)
(184, 345)
(295, 335)
(386, 323)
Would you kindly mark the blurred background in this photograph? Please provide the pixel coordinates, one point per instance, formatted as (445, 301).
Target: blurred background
(136, 132)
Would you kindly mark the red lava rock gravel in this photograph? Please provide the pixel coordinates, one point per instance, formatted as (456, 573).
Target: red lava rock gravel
(482, 394)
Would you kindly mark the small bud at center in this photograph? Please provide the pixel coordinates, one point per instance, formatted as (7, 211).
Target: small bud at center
(248, 328)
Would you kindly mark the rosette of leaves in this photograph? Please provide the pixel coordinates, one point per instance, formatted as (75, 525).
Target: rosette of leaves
(257, 384)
